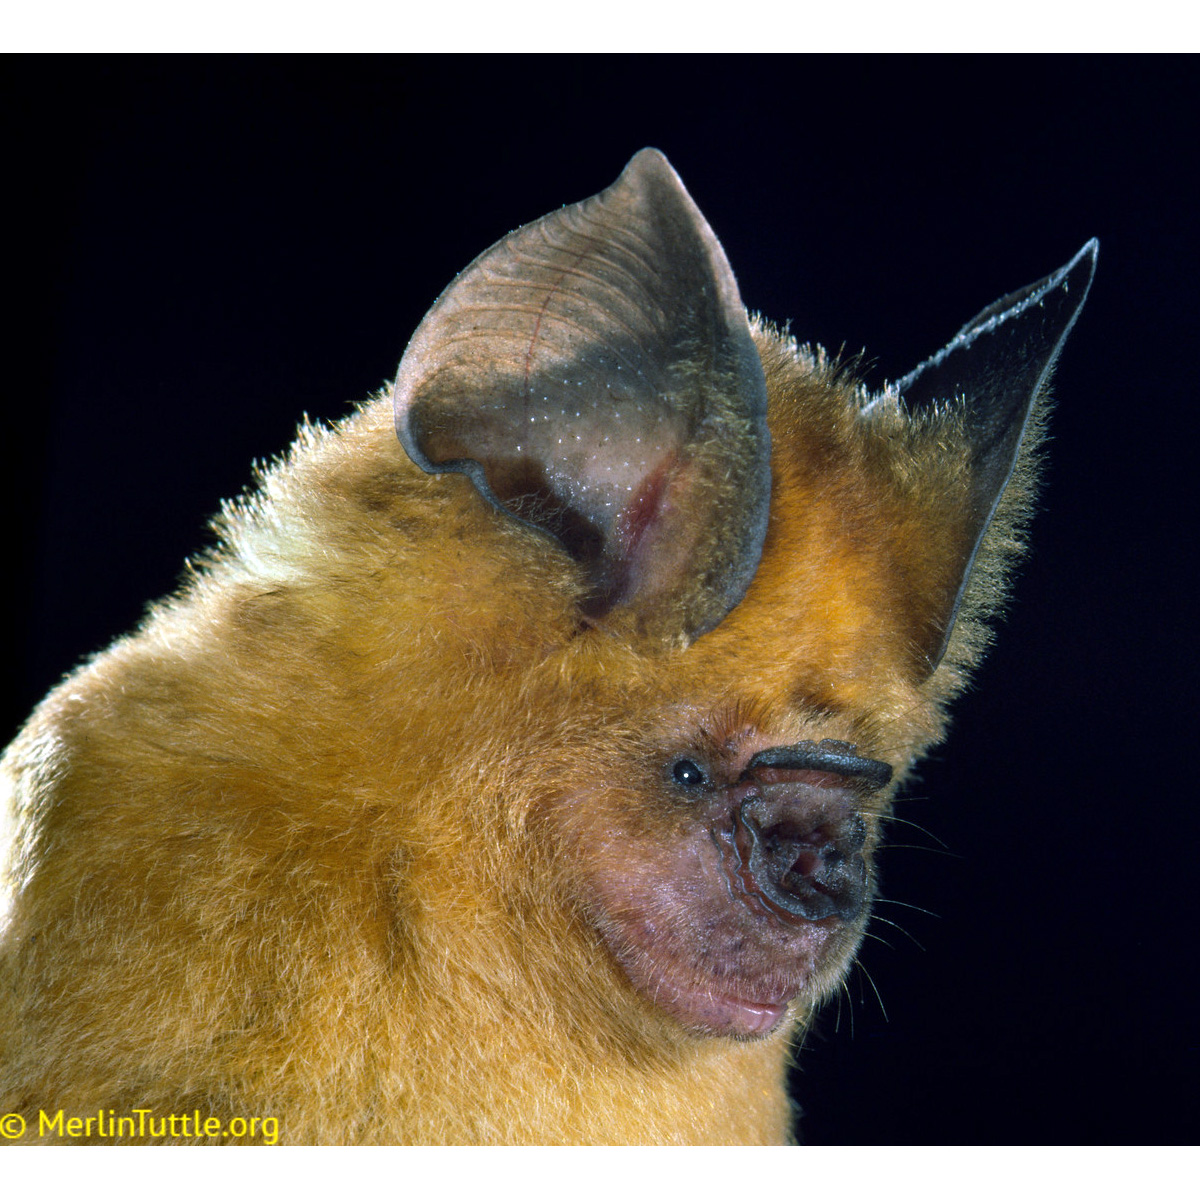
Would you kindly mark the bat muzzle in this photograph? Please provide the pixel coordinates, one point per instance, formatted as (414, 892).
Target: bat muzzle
(795, 843)
(799, 861)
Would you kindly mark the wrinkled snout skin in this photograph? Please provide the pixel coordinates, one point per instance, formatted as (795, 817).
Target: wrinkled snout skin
(799, 854)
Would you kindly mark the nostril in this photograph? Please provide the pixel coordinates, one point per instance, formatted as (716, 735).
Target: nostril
(807, 863)
(785, 838)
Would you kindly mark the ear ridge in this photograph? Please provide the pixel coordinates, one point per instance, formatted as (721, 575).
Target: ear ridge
(994, 375)
(594, 375)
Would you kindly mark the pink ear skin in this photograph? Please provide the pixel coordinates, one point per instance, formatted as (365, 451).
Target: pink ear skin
(594, 374)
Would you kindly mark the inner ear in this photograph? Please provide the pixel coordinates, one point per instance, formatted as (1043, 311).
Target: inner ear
(594, 375)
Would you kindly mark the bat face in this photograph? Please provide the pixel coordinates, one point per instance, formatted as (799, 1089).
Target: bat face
(770, 567)
(724, 820)
(520, 779)
(746, 885)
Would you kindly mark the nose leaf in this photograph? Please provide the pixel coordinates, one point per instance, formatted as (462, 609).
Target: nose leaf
(804, 861)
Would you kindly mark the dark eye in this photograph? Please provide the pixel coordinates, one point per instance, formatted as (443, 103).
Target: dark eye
(687, 774)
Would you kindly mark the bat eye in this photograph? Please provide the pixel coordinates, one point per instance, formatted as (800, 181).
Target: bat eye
(687, 774)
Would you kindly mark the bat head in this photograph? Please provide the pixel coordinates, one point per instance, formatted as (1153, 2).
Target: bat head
(771, 580)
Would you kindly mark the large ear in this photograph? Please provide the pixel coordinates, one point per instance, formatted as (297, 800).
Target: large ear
(996, 367)
(594, 375)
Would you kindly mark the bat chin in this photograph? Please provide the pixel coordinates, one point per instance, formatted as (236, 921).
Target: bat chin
(741, 986)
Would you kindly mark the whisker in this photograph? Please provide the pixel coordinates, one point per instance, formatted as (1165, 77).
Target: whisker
(877, 917)
(891, 818)
(902, 904)
(874, 937)
(871, 981)
(837, 1024)
(914, 846)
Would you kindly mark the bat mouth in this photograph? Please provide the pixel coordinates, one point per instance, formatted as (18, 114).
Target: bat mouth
(711, 1010)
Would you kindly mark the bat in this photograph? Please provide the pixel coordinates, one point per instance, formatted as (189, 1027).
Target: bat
(513, 768)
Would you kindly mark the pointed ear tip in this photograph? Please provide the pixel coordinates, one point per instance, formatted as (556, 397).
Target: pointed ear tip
(1090, 250)
(649, 154)
(1080, 270)
(1081, 267)
(649, 160)
(1084, 260)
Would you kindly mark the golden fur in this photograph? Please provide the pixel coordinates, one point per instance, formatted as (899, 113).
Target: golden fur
(318, 841)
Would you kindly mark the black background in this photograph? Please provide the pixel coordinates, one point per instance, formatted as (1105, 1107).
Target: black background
(201, 250)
